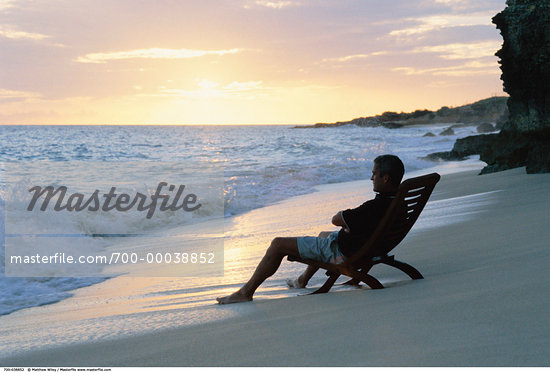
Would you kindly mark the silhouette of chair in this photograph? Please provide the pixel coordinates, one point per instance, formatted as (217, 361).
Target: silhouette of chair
(411, 197)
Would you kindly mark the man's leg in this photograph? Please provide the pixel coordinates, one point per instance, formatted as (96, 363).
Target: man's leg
(279, 248)
(302, 280)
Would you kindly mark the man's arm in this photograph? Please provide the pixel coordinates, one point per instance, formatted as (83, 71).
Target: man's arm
(338, 220)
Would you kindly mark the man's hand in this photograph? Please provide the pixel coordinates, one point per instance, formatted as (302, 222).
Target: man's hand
(338, 220)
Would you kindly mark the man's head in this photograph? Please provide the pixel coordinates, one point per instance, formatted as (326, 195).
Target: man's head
(387, 173)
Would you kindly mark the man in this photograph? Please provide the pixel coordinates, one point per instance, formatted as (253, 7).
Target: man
(356, 226)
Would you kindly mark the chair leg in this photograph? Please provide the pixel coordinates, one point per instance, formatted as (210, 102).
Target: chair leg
(369, 280)
(328, 284)
(365, 269)
(406, 268)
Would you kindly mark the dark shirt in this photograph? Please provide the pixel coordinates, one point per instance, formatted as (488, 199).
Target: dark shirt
(362, 221)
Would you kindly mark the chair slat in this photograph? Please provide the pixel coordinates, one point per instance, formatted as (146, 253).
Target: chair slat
(414, 200)
(415, 192)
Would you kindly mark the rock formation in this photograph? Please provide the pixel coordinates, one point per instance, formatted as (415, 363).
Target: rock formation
(448, 132)
(525, 63)
(524, 138)
(485, 128)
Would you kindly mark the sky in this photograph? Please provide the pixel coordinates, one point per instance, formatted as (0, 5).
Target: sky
(241, 61)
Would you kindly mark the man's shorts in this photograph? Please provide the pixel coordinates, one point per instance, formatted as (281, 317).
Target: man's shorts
(320, 249)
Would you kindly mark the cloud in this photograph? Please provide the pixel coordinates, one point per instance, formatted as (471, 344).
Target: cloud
(453, 51)
(439, 22)
(6, 94)
(12, 33)
(152, 53)
(352, 57)
(346, 58)
(466, 69)
(209, 89)
(477, 50)
(456, 4)
(6, 4)
(275, 4)
(242, 86)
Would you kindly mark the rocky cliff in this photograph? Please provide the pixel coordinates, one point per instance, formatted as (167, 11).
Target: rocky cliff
(525, 63)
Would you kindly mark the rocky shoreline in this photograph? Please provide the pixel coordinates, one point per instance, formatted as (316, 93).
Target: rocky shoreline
(488, 115)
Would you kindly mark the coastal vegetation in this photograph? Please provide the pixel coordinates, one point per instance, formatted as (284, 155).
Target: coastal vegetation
(490, 110)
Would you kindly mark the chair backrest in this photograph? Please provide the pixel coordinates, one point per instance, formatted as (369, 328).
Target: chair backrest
(411, 197)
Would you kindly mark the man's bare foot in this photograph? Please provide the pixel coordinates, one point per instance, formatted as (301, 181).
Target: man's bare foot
(233, 298)
(295, 283)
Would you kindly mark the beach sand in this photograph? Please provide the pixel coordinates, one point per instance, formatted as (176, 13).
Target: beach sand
(483, 247)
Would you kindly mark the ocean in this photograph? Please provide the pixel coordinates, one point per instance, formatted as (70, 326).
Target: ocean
(261, 166)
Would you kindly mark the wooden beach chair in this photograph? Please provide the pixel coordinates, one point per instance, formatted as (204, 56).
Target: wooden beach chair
(401, 215)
